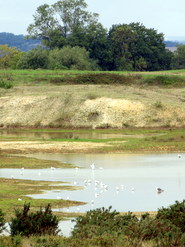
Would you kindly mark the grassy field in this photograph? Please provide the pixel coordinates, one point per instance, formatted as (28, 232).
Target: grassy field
(35, 77)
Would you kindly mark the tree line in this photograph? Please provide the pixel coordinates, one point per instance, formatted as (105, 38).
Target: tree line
(73, 38)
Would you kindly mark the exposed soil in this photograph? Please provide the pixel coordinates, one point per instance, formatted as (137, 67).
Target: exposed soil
(57, 147)
(92, 106)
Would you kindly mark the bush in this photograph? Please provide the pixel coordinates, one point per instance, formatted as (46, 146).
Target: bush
(151, 228)
(34, 59)
(2, 221)
(101, 221)
(76, 58)
(34, 223)
(174, 213)
(165, 80)
(8, 57)
(5, 85)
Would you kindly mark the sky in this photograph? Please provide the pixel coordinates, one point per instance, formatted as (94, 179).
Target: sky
(165, 16)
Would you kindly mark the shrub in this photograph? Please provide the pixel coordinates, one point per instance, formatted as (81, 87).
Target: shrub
(158, 104)
(2, 221)
(101, 221)
(28, 223)
(34, 59)
(76, 58)
(5, 85)
(165, 80)
(8, 57)
(174, 213)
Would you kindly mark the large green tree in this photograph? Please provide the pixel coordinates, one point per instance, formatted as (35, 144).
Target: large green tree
(149, 45)
(55, 24)
(121, 38)
(136, 47)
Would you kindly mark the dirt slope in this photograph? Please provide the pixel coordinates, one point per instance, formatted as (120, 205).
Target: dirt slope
(92, 106)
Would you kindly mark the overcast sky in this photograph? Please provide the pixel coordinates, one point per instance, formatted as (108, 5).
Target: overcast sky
(166, 16)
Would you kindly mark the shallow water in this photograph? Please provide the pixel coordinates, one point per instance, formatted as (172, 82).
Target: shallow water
(63, 135)
(126, 182)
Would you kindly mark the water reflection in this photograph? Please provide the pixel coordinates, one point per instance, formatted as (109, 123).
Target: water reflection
(127, 182)
(63, 135)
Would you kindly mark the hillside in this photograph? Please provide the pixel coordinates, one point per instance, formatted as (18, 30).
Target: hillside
(18, 41)
(42, 104)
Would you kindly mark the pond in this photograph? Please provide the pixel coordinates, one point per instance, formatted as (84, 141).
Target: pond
(127, 182)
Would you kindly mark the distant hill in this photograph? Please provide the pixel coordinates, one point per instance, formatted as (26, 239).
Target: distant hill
(170, 43)
(18, 41)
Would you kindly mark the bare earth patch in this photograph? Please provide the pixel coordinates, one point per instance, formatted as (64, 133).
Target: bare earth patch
(57, 147)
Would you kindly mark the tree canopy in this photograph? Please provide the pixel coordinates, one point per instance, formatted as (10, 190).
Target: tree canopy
(67, 27)
(64, 19)
(8, 56)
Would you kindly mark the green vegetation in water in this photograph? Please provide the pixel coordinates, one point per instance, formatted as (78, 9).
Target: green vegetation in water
(139, 140)
(162, 141)
(130, 140)
(13, 194)
(8, 161)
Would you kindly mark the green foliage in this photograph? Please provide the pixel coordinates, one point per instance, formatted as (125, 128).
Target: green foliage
(2, 221)
(125, 47)
(104, 78)
(75, 58)
(174, 213)
(34, 59)
(167, 227)
(8, 57)
(135, 47)
(106, 228)
(60, 21)
(165, 80)
(178, 60)
(15, 241)
(158, 104)
(5, 84)
(28, 223)
(101, 221)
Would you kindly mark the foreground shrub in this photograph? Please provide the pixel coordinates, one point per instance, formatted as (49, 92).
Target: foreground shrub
(5, 84)
(151, 228)
(101, 221)
(28, 223)
(174, 213)
(2, 221)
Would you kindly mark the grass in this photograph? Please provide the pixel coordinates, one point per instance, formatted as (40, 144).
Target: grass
(35, 77)
(8, 161)
(12, 190)
(130, 140)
